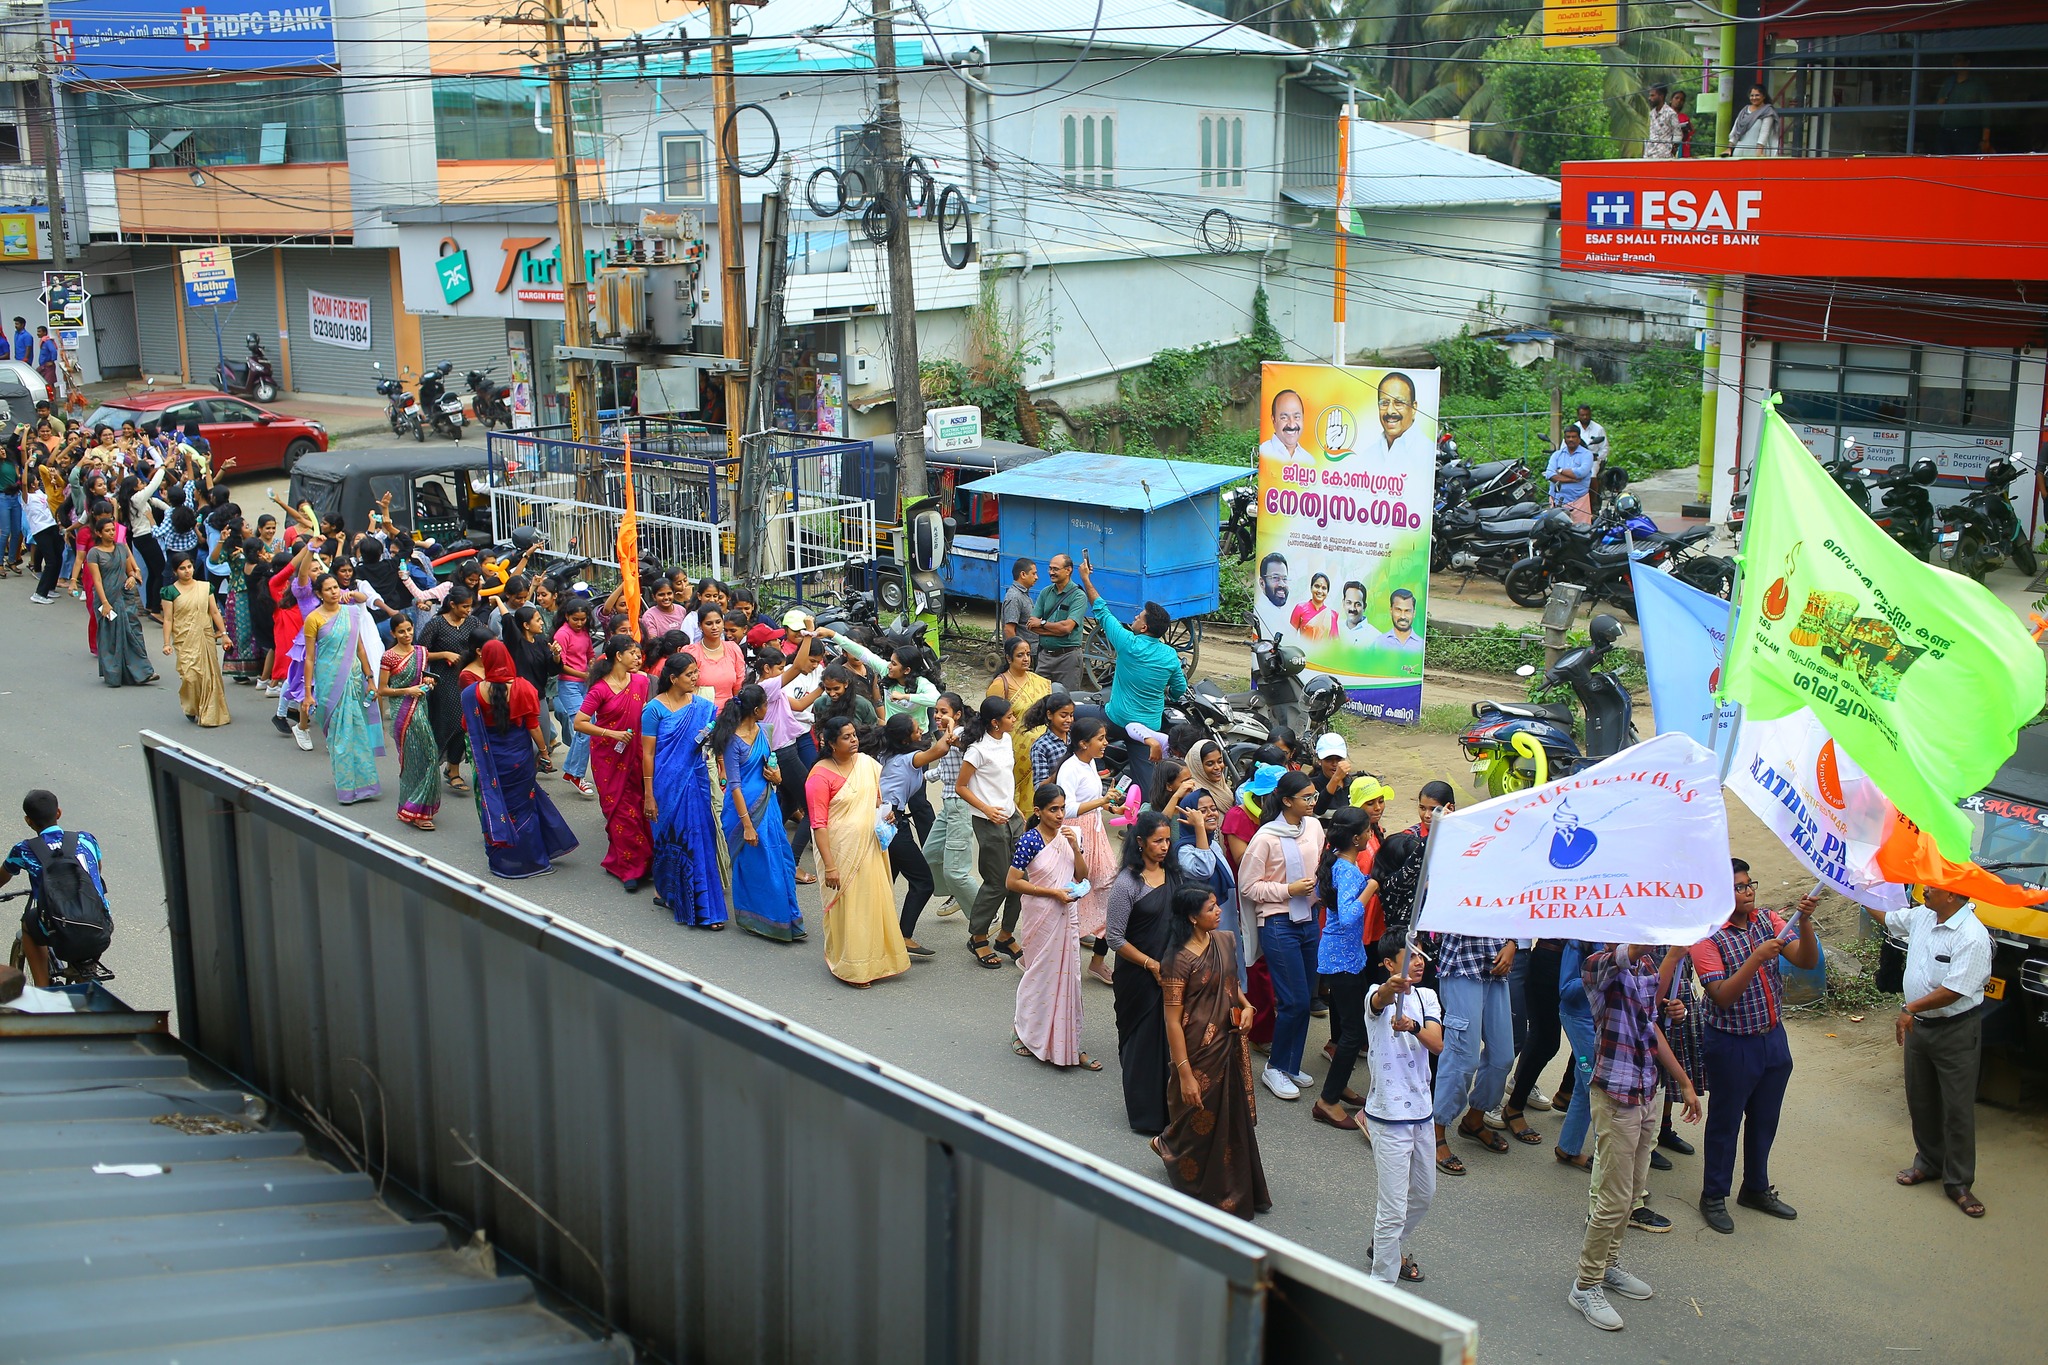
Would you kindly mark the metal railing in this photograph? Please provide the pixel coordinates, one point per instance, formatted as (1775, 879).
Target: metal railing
(1486, 436)
(719, 1183)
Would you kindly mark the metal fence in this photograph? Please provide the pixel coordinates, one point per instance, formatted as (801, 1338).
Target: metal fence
(1485, 436)
(686, 496)
(719, 1183)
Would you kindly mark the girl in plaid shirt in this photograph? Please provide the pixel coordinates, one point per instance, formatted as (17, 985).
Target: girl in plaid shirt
(949, 848)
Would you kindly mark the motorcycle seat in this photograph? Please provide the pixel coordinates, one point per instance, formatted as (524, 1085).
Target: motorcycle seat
(1484, 473)
(1520, 529)
(1528, 710)
(1521, 511)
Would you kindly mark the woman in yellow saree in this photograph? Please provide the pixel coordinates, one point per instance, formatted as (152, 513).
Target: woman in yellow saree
(863, 942)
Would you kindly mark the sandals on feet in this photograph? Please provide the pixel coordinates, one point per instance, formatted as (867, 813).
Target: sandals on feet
(984, 954)
(1582, 1163)
(1088, 1063)
(1017, 1046)
(806, 879)
(1010, 948)
(1485, 1137)
(1522, 1134)
(1447, 1161)
(1960, 1196)
(1913, 1175)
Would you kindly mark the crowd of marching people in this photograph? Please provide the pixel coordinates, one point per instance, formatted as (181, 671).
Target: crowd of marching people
(737, 755)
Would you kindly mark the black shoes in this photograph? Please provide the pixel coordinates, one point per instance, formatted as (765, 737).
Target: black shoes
(1766, 1201)
(1670, 1139)
(1715, 1211)
(1659, 1161)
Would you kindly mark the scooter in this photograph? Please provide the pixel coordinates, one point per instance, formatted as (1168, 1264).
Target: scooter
(1516, 745)
(400, 409)
(1281, 697)
(1979, 532)
(251, 378)
(491, 400)
(1907, 511)
(442, 408)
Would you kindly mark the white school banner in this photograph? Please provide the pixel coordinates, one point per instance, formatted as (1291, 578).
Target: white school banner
(1814, 797)
(339, 321)
(1630, 850)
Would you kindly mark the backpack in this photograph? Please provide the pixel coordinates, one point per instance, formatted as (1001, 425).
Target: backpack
(75, 921)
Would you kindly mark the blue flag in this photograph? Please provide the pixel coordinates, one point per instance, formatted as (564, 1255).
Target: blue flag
(1685, 635)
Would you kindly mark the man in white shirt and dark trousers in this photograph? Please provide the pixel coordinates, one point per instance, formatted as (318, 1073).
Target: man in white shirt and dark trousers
(1948, 962)
(1403, 1029)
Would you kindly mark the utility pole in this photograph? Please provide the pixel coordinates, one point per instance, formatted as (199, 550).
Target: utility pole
(53, 180)
(910, 482)
(576, 335)
(732, 263)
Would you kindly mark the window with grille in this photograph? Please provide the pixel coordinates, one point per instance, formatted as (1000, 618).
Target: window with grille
(1088, 148)
(1222, 140)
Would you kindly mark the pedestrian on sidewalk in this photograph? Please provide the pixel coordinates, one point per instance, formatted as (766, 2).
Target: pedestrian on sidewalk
(1404, 1026)
(1948, 965)
(1622, 986)
(1748, 1056)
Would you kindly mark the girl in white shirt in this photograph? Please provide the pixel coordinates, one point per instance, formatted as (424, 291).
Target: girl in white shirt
(1403, 1028)
(988, 783)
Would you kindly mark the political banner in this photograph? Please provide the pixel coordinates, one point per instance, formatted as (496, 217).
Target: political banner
(1795, 779)
(1920, 675)
(1685, 634)
(1346, 483)
(1631, 850)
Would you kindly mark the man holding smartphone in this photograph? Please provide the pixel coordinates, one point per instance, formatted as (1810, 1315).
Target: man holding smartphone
(1748, 1056)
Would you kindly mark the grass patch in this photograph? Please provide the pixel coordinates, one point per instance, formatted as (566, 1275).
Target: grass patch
(1855, 992)
(1445, 718)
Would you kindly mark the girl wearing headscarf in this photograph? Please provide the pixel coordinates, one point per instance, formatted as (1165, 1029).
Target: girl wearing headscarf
(676, 784)
(523, 832)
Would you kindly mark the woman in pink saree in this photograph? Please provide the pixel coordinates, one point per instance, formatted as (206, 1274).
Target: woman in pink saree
(1042, 876)
(610, 715)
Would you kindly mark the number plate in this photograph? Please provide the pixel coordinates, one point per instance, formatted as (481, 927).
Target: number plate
(1994, 989)
(1951, 535)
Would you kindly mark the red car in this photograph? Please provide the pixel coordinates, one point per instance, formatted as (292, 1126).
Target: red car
(256, 437)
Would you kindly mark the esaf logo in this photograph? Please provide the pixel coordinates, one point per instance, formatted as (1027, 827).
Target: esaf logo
(1681, 210)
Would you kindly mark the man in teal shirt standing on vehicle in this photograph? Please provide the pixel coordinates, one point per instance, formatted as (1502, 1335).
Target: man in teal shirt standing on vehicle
(1148, 672)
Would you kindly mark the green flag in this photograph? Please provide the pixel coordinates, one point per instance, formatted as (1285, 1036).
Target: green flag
(1920, 675)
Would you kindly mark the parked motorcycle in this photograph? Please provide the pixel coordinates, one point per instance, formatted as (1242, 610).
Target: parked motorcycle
(1475, 540)
(1498, 483)
(443, 409)
(400, 408)
(1569, 553)
(251, 378)
(1241, 525)
(1978, 533)
(1904, 509)
(1688, 560)
(1516, 745)
(491, 401)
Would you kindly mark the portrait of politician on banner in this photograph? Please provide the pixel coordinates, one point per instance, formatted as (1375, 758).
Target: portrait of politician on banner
(1346, 482)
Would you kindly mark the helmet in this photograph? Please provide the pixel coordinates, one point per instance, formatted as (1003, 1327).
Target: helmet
(2001, 471)
(1555, 521)
(1629, 505)
(1924, 472)
(1604, 631)
(1325, 695)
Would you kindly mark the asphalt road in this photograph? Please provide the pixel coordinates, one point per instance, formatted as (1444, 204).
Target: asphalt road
(1868, 1272)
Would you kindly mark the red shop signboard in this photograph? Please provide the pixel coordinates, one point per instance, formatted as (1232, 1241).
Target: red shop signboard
(1908, 217)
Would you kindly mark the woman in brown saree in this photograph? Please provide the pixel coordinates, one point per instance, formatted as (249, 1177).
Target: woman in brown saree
(1210, 1147)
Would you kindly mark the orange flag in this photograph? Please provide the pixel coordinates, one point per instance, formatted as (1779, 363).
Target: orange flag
(629, 553)
(1909, 855)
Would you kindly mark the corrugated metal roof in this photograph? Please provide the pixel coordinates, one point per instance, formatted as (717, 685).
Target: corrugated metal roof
(244, 1249)
(1124, 482)
(1397, 170)
(825, 29)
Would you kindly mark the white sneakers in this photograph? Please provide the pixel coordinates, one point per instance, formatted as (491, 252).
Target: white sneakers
(303, 738)
(1593, 1302)
(1303, 1080)
(1280, 1084)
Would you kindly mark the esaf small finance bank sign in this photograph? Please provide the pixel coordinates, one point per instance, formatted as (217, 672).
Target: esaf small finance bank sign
(1825, 217)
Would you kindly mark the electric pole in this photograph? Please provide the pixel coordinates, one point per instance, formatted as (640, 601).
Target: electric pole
(732, 262)
(576, 334)
(910, 484)
(53, 179)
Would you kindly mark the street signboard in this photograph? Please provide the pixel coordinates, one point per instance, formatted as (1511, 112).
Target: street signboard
(954, 428)
(64, 294)
(209, 276)
(1569, 23)
(137, 39)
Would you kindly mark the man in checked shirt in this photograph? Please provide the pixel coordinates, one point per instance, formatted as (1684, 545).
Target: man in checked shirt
(1622, 988)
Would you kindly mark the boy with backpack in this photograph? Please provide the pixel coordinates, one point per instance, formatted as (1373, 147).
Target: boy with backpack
(67, 909)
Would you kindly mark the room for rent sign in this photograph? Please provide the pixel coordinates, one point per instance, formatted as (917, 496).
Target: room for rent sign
(339, 321)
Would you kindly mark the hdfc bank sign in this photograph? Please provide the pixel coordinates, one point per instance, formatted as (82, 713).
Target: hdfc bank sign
(1894, 218)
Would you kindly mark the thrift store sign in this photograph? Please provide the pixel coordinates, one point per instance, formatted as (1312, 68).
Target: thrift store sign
(1634, 849)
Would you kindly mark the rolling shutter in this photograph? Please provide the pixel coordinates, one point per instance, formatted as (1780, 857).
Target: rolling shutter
(156, 310)
(472, 343)
(352, 272)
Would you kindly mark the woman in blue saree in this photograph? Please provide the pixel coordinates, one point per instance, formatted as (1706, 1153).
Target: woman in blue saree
(763, 865)
(523, 832)
(341, 684)
(688, 882)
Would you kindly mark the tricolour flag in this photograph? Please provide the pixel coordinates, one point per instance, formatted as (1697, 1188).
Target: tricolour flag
(1921, 676)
